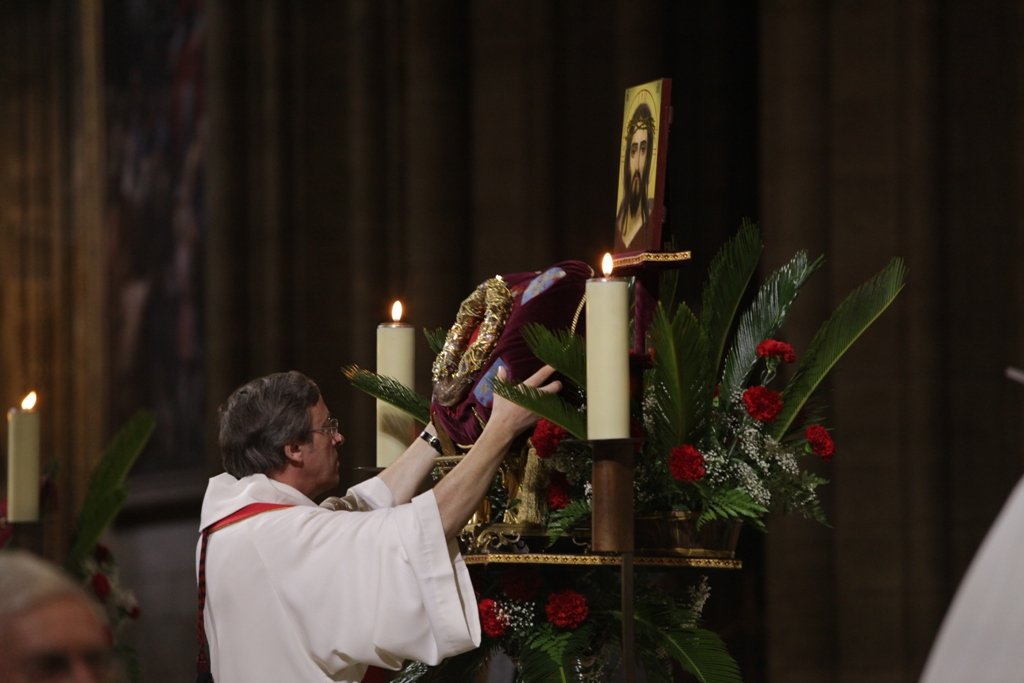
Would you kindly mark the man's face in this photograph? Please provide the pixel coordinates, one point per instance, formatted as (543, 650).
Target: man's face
(637, 163)
(59, 641)
(320, 459)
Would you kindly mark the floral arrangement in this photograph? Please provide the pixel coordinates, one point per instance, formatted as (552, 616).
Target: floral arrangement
(560, 624)
(720, 433)
(725, 426)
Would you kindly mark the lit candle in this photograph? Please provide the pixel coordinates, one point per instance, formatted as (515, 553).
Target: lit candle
(396, 359)
(607, 356)
(23, 461)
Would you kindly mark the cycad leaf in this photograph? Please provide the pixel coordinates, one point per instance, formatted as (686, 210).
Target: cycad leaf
(562, 350)
(729, 275)
(673, 631)
(681, 374)
(551, 407)
(836, 335)
(763, 319)
(435, 339)
(389, 390)
(106, 493)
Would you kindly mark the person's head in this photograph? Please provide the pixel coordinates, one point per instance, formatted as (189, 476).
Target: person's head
(279, 426)
(50, 627)
(636, 165)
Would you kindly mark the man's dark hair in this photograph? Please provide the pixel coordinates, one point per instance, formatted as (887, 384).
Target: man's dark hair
(260, 418)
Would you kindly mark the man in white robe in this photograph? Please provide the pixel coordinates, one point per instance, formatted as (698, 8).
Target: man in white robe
(306, 593)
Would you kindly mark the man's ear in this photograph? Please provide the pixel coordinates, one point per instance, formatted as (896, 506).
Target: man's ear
(293, 454)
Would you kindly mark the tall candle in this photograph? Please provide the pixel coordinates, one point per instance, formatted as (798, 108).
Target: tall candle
(607, 356)
(396, 359)
(23, 461)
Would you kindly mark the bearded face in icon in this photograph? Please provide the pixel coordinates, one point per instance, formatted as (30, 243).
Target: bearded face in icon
(634, 210)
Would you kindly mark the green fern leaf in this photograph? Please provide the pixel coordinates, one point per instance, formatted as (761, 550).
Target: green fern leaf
(552, 407)
(764, 317)
(729, 275)
(732, 504)
(849, 321)
(562, 350)
(390, 391)
(562, 520)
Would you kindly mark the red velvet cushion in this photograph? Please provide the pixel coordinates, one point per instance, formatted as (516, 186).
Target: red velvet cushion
(552, 298)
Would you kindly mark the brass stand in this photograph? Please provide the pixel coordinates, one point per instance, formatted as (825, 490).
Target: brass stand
(612, 526)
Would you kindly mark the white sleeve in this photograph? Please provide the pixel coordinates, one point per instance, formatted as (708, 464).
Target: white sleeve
(373, 587)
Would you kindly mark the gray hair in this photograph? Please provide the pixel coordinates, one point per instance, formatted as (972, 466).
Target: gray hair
(27, 581)
(262, 417)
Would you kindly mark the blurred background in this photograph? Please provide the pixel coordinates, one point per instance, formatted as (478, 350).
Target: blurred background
(197, 192)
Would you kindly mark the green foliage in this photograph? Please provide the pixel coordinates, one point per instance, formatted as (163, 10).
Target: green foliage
(106, 492)
(435, 339)
(729, 275)
(391, 391)
(562, 350)
(763, 319)
(545, 657)
(560, 521)
(834, 338)
(731, 504)
(680, 379)
(549, 406)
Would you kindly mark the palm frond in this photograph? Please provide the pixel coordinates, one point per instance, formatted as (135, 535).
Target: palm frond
(551, 407)
(390, 391)
(849, 321)
(764, 317)
(562, 350)
(673, 630)
(106, 492)
(681, 376)
(729, 274)
(435, 339)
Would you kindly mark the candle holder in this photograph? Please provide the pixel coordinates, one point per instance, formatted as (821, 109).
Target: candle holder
(612, 481)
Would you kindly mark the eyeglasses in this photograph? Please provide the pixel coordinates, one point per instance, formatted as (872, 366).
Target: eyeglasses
(330, 430)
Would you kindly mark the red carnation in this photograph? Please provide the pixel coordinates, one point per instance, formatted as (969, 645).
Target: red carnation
(492, 621)
(686, 463)
(821, 442)
(762, 403)
(566, 609)
(100, 585)
(521, 584)
(558, 491)
(102, 553)
(547, 436)
(773, 348)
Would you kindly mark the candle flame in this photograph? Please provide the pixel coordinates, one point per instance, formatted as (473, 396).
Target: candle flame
(396, 311)
(607, 264)
(29, 402)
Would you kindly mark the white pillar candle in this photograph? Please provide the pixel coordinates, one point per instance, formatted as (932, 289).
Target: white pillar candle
(396, 356)
(23, 462)
(607, 356)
